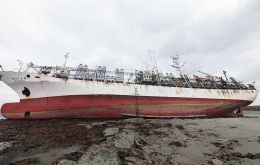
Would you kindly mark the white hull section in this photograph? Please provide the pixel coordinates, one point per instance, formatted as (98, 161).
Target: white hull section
(44, 86)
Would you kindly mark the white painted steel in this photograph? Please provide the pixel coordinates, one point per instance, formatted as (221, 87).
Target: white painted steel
(45, 86)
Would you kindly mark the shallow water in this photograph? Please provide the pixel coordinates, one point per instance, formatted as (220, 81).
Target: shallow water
(252, 113)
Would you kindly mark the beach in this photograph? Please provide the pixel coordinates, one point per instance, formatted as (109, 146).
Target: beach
(131, 141)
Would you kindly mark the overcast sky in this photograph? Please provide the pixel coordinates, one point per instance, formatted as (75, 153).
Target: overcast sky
(210, 35)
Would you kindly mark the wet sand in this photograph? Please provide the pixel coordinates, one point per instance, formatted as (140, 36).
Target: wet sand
(131, 141)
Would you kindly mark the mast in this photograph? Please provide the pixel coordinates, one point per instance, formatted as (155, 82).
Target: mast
(225, 74)
(176, 64)
(66, 59)
(179, 67)
(154, 68)
(20, 65)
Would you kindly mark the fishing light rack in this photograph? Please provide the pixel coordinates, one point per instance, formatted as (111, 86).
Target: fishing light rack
(82, 72)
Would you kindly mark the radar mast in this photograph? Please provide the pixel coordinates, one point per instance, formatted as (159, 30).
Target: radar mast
(177, 64)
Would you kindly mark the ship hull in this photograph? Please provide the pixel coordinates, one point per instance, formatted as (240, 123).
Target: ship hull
(45, 97)
(112, 106)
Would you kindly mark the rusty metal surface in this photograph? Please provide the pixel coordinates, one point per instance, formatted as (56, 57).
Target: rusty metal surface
(100, 106)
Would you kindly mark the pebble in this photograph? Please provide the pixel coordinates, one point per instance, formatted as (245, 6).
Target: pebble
(111, 131)
(4, 145)
(217, 162)
(66, 162)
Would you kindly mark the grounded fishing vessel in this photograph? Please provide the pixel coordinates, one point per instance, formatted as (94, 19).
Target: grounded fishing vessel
(66, 92)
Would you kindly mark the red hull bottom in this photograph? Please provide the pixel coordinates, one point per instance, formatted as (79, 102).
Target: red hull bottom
(100, 106)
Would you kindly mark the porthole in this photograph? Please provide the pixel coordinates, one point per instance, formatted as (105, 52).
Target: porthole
(28, 76)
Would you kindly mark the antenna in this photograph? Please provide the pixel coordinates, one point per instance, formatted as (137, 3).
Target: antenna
(153, 61)
(66, 58)
(176, 64)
